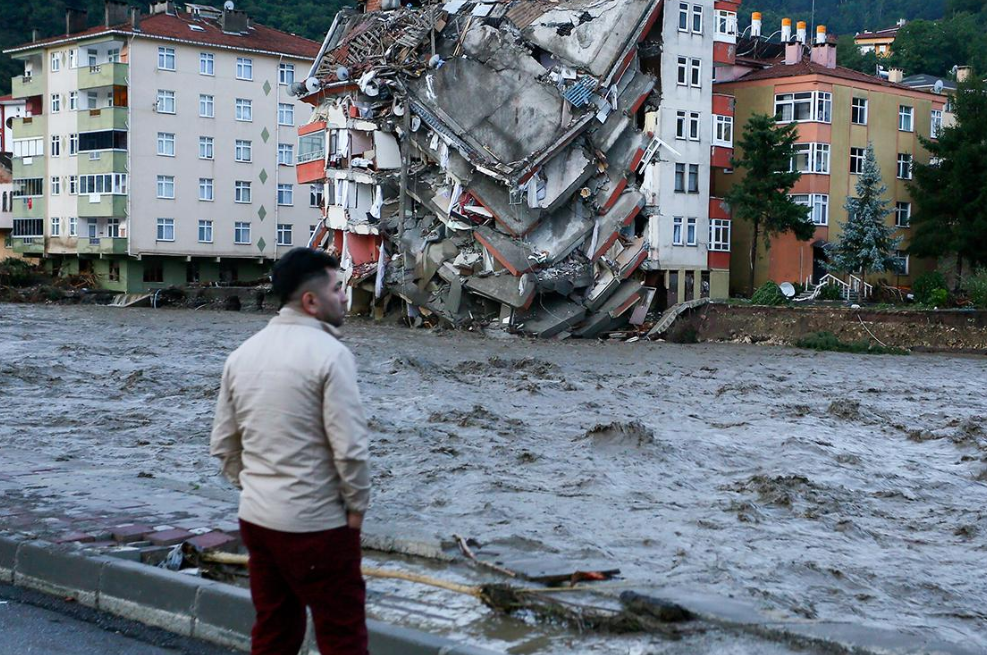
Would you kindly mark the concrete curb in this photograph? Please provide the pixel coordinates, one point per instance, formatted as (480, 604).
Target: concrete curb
(180, 603)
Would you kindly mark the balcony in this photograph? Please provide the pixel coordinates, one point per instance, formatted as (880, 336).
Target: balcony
(102, 246)
(107, 118)
(26, 86)
(28, 245)
(31, 207)
(102, 161)
(721, 157)
(28, 127)
(724, 53)
(102, 205)
(91, 77)
(29, 167)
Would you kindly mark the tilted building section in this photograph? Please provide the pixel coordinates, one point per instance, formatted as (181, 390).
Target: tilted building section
(544, 164)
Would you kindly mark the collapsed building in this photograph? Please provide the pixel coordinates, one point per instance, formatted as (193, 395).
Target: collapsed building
(544, 164)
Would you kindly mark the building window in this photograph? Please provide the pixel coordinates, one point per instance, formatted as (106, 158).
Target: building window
(166, 102)
(28, 227)
(677, 231)
(205, 188)
(286, 154)
(113, 228)
(904, 166)
(693, 126)
(683, 17)
(697, 19)
(693, 178)
(92, 99)
(73, 58)
(286, 74)
(207, 106)
(73, 185)
(166, 144)
(205, 231)
(56, 185)
(286, 113)
(936, 128)
(113, 55)
(858, 111)
(681, 128)
(719, 235)
(207, 64)
(29, 147)
(166, 59)
(817, 204)
(206, 147)
(682, 76)
(906, 116)
(241, 191)
(806, 106)
(166, 186)
(73, 100)
(680, 178)
(690, 232)
(723, 131)
(695, 72)
(726, 23)
(241, 232)
(315, 192)
(73, 226)
(244, 150)
(857, 160)
(56, 226)
(284, 234)
(166, 229)
(810, 158)
(56, 146)
(901, 262)
(286, 194)
(903, 214)
(29, 187)
(244, 68)
(56, 62)
(115, 183)
(244, 110)
(73, 144)
(56, 103)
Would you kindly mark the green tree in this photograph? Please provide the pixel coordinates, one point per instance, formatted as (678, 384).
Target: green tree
(765, 151)
(868, 243)
(848, 54)
(950, 192)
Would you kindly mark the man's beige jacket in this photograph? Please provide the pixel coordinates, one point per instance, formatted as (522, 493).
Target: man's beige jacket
(290, 428)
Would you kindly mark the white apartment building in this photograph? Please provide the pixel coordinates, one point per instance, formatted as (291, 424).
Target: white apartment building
(160, 149)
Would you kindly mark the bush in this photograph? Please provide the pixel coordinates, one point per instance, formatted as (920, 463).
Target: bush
(830, 292)
(926, 284)
(827, 341)
(769, 294)
(17, 272)
(976, 288)
(938, 298)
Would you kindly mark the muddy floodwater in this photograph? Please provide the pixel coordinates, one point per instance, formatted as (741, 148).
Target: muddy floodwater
(812, 485)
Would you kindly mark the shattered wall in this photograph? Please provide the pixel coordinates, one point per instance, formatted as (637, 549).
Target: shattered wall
(523, 128)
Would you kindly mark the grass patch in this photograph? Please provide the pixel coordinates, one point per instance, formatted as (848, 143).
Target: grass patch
(827, 341)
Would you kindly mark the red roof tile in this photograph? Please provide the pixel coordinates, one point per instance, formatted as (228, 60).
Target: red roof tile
(177, 27)
(807, 67)
(879, 34)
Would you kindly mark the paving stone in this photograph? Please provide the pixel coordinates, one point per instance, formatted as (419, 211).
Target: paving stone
(214, 540)
(79, 537)
(130, 532)
(169, 537)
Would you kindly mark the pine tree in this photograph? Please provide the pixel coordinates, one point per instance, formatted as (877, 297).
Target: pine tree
(867, 244)
(761, 197)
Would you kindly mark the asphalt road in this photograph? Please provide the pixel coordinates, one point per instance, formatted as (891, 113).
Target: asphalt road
(33, 623)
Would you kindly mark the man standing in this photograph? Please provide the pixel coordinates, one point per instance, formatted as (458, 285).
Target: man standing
(291, 433)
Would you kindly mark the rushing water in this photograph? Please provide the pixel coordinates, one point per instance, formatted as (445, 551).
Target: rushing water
(825, 486)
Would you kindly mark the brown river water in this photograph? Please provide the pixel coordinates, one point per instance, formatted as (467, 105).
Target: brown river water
(812, 485)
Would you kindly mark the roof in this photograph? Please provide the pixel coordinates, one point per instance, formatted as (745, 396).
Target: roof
(176, 27)
(887, 33)
(808, 67)
(922, 80)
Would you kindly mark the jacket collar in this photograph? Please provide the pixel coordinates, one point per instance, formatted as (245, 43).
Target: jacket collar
(291, 316)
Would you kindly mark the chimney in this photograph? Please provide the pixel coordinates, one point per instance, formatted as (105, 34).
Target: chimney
(75, 20)
(135, 19)
(824, 51)
(962, 73)
(793, 53)
(800, 32)
(233, 21)
(34, 35)
(786, 30)
(164, 7)
(896, 75)
(114, 12)
(901, 22)
(756, 25)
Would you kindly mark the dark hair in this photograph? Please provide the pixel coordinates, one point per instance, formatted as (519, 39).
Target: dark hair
(296, 268)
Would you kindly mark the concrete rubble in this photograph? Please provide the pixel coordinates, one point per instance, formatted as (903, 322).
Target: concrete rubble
(516, 131)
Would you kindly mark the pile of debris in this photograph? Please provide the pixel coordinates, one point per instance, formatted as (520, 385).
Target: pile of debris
(484, 159)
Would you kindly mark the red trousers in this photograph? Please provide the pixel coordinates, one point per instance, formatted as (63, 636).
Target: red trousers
(290, 571)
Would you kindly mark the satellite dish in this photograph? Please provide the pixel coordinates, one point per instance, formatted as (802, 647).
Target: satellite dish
(788, 289)
(398, 108)
(342, 73)
(416, 123)
(228, 5)
(937, 87)
(312, 85)
(296, 89)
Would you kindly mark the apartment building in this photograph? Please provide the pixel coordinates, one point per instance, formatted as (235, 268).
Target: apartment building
(838, 112)
(158, 149)
(879, 42)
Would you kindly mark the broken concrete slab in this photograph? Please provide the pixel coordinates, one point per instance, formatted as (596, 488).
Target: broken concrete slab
(516, 219)
(560, 234)
(631, 257)
(550, 316)
(518, 292)
(511, 253)
(614, 313)
(620, 215)
(548, 569)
